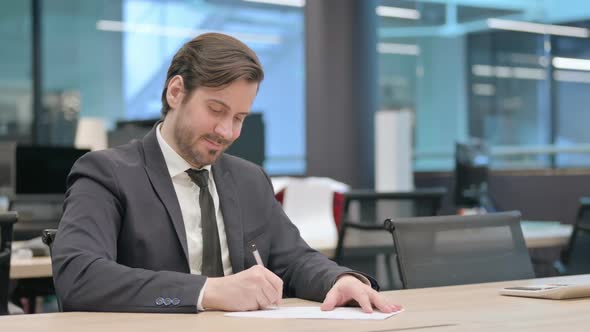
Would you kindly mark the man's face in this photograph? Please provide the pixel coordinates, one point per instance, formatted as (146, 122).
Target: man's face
(210, 120)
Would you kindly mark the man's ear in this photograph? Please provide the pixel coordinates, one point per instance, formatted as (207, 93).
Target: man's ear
(175, 92)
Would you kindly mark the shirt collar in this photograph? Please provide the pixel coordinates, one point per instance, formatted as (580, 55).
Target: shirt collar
(175, 163)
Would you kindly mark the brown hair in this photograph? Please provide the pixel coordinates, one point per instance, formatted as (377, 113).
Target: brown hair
(212, 60)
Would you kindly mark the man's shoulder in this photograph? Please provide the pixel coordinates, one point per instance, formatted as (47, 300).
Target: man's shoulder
(231, 163)
(248, 176)
(129, 154)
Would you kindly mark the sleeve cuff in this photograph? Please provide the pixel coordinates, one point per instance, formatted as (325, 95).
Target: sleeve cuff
(356, 275)
(200, 298)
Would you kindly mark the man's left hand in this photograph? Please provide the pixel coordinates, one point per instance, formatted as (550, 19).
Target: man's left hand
(348, 288)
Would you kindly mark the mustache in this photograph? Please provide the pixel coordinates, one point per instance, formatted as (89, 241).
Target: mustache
(217, 139)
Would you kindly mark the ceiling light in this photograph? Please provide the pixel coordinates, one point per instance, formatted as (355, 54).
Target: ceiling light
(558, 30)
(482, 89)
(394, 48)
(407, 13)
(571, 76)
(290, 3)
(571, 63)
(179, 32)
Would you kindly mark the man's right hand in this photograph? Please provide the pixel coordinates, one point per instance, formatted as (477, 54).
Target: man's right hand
(252, 289)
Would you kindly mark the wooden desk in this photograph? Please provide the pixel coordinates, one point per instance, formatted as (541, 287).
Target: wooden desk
(545, 234)
(537, 234)
(457, 308)
(36, 267)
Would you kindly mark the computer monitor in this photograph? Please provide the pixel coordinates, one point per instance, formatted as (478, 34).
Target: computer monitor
(471, 174)
(251, 144)
(44, 169)
(127, 130)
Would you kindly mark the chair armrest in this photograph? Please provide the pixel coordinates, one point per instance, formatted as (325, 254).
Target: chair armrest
(366, 227)
(5, 256)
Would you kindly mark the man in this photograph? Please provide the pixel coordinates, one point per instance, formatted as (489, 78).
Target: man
(167, 223)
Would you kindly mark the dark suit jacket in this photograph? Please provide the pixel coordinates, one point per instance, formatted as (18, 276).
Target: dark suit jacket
(121, 243)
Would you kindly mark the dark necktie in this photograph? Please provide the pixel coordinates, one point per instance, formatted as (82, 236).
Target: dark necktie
(212, 266)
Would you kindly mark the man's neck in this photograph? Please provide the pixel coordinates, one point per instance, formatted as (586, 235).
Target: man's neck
(167, 132)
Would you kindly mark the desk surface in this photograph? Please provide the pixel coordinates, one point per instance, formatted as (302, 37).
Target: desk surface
(475, 307)
(36, 267)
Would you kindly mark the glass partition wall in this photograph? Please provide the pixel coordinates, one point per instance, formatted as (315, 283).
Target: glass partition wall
(513, 73)
(107, 60)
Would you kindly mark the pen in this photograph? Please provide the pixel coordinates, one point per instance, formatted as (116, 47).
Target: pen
(256, 255)
(258, 259)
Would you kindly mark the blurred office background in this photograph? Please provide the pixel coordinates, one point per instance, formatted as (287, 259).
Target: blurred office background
(494, 96)
(513, 73)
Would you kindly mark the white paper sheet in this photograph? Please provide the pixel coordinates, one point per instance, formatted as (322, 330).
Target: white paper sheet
(313, 313)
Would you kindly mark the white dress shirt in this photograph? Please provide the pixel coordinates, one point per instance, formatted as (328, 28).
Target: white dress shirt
(188, 197)
(187, 193)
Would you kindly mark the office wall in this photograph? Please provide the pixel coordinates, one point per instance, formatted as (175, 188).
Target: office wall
(341, 91)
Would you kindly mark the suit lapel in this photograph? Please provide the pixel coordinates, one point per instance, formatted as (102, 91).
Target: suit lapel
(157, 171)
(230, 208)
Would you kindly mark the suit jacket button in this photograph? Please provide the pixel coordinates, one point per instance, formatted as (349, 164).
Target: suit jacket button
(175, 301)
(167, 301)
(160, 301)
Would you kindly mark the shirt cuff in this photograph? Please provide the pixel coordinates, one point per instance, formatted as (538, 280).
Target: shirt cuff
(200, 298)
(356, 275)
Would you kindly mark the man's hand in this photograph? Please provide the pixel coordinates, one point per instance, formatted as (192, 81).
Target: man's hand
(252, 289)
(348, 288)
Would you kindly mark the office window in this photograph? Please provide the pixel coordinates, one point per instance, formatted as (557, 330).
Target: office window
(571, 82)
(153, 31)
(422, 69)
(16, 113)
(81, 66)
(509, 96)
(111, 58)
(487, 70)
(527, 96)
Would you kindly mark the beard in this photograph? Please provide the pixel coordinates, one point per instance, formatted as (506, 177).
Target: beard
(187, 143)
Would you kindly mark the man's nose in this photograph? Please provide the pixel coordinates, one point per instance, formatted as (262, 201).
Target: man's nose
(224, 128)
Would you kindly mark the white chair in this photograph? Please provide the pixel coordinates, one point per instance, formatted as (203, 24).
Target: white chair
(309, 203)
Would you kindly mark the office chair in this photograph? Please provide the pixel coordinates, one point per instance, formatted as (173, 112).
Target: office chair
(575, 259)
(36, 213)
(454, 250)
(48, 236)
(7, 220)
(361, 237)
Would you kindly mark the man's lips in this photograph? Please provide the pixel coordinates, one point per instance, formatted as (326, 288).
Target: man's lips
(216, 144)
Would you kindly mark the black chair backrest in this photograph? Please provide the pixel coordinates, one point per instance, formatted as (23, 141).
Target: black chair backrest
(361, 238)
(48, 236)
(576, 257)
(7, 219)
(454, 250)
